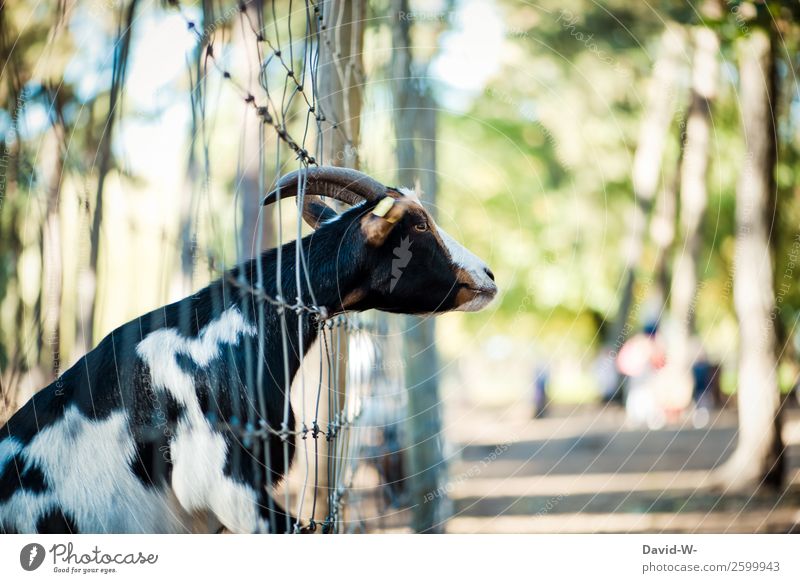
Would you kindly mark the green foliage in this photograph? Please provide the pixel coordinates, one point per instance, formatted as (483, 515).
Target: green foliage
(535, 171)
(539, 177)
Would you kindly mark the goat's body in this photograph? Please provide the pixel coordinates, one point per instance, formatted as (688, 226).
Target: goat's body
(147, 452)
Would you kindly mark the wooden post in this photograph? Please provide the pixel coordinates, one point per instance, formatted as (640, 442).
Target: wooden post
(415, 130)
(339, 95)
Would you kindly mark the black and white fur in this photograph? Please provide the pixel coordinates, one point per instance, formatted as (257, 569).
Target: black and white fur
(132, 439)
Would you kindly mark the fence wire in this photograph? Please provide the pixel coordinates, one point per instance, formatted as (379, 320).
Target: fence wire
(347, 474)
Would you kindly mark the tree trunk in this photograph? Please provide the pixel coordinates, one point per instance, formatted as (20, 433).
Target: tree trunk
(759, 454)
(681, 352)
(340, 81)
(653, 134)
(183, 279)
(87, 279)
(339, 95)
(52, 266)
(253, 238)
(662, 229)
(415, 130)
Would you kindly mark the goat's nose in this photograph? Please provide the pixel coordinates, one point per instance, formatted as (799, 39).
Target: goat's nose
(489, 273)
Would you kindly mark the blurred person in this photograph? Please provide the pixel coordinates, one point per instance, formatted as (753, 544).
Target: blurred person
(605, 373)
(706, 389)
(541, 380)
(639, 359)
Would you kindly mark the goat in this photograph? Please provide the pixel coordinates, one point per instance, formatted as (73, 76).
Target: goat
(123, 441)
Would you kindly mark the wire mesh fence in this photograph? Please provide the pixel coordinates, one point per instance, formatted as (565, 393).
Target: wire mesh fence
(299, 399)
(259, 379)
(347, 411)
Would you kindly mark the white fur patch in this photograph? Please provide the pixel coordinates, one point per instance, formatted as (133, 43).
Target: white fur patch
(410, 193)
(198, 452)
(86, 465)
(469, 262)
(9, 447)
(159, 350)
(198, 478)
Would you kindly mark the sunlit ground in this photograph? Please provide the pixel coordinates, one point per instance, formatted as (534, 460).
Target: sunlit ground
(581, 470)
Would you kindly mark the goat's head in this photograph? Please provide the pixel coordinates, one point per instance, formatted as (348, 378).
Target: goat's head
(409, 264)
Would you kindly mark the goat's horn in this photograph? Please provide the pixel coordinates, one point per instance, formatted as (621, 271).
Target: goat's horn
(343, 184)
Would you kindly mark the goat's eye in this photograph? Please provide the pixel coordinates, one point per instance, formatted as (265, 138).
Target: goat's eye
(421, 227)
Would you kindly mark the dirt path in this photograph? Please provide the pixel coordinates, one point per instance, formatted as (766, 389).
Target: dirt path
(583, 471)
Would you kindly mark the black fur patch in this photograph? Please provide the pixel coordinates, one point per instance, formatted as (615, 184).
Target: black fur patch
(153, 419)
(152, 462)
(9, 478)
(18, 475)
(33, 480)
(56, 521)
(78, 387)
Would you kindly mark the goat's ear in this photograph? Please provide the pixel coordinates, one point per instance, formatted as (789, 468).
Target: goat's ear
(316, 212)
(378, 223)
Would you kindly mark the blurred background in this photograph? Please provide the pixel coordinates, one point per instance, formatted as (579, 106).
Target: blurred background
(628, 170)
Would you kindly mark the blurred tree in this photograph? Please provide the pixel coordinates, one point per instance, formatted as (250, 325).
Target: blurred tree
(681, 351)
(253, 238)
(662, 225)
(87, 282)
(30, 332)
(414, 112)
(658, 114)
(52, 264)
(190, 197)
(15, 76)
(570, 98)
(759, 456)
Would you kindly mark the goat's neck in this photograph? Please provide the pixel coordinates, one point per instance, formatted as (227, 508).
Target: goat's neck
(333, 275)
